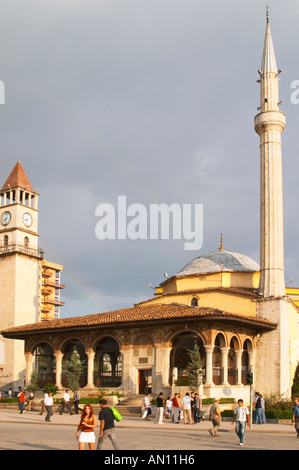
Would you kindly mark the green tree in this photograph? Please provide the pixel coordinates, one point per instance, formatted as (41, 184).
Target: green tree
(295, 386)
(195, 367)
(73, 369)
(51, 388)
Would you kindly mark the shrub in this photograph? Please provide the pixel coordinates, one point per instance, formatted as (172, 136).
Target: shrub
(182, 382)
(9, 400)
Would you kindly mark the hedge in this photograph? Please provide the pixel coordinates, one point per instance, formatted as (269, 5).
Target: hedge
(270, 414)
(9, 400)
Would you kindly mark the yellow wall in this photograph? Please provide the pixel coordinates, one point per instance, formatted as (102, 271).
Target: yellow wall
(224, 279)
(224, 301)
(294, 339)
(181, 290)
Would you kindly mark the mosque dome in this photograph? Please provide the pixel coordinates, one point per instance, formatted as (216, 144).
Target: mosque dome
(218, 261)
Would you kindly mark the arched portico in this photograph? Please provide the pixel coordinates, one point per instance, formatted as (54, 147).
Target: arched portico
(107, 363)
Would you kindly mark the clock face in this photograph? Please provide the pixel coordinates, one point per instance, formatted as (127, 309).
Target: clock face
(6, 218)
(27, 219)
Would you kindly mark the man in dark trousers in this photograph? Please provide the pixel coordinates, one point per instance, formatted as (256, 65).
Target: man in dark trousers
(107, 428)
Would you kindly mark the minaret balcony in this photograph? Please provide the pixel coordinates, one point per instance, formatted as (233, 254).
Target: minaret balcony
(269, 119)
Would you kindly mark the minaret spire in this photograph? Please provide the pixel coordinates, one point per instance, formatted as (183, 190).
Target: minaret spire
(268, 60)
(269, 124)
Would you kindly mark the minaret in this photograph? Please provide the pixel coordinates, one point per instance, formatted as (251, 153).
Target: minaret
(269, 124)
(272, 370)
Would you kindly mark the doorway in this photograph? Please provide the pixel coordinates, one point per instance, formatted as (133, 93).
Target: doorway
(144, 381)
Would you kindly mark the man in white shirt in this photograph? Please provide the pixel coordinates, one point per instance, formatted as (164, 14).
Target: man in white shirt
(65, 403)
(241, 416)
(48, 402)
(187, 409)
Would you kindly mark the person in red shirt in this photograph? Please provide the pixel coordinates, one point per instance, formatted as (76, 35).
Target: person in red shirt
(176, 408)
(21, 397)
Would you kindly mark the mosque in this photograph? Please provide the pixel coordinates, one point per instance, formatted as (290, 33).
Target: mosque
(239, 313)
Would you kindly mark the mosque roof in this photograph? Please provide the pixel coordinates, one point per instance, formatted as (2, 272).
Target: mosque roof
(218, 261)
(135, 316)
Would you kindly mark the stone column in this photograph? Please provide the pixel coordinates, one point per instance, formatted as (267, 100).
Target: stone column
(238, 353)
(129, 380)
(251, 355)
(29, 357)
(224, 356)
(209, 365)
(159, 375)
(90, 368)
(58, 355)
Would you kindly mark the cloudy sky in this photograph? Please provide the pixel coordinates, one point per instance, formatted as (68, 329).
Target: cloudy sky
(149, 99)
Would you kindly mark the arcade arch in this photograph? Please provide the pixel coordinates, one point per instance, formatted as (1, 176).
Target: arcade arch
(107, 363)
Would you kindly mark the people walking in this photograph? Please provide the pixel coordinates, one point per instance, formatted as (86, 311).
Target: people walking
(187, 400)
(65, 403)
(48, 402)
(215, 417)
(107, 427)
(241, 417)
(85, 431)
(197, 409)
(295, 418)
(257, 414)
(43, 406)
(160, 409)
(30, 400)
(176, 408)
(76, 400)
(169, 411)
(263, 408)
(22, 398)
(147, 407)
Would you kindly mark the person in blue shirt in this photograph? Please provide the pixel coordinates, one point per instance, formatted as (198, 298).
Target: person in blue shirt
(295, 419)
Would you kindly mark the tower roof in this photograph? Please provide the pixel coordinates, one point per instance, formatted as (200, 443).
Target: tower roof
(18, 178)
(268, 60)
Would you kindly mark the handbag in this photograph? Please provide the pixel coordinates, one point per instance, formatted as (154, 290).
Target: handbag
(118, 417)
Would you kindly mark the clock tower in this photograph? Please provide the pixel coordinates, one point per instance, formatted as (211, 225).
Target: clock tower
(20, 261)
